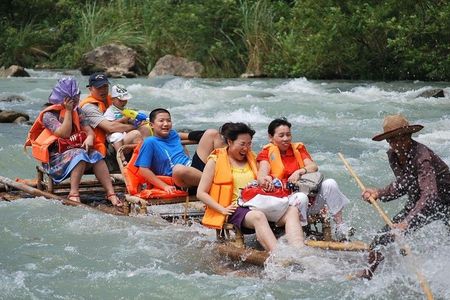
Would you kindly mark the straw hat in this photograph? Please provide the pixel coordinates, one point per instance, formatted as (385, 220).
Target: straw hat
(396, 125)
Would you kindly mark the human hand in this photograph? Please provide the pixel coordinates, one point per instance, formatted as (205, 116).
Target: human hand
(88, 142)
(295, 176)
(229, 210)
(170, 189)
(266, 183)
(368, 194)
(402, 226)
(137, 123)
(69, 103)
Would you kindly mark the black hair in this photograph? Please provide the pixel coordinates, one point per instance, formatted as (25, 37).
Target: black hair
(277, 123)
(230, 130)
(155, 112)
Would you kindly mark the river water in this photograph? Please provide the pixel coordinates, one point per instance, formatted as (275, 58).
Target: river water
(52, 251)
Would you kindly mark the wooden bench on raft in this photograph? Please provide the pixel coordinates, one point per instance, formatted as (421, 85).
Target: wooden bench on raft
(139, 204)
(87, 185)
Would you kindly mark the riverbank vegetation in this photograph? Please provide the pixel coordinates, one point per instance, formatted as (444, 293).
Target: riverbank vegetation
(326, 39)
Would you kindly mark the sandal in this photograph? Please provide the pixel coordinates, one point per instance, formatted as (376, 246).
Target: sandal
(117, 202)
(74, 197)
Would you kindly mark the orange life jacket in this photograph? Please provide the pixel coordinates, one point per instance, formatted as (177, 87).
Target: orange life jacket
(222, 187)
(134, 181)
(40, 138)
(100, 135)
(276, 164)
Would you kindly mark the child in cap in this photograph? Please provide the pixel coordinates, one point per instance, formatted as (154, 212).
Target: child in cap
(120, 97)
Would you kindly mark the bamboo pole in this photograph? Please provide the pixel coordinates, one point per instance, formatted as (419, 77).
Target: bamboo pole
(422, 280)
(258, 257)
(29, 190)
(338, 246)
(251, 256)
(38, 193)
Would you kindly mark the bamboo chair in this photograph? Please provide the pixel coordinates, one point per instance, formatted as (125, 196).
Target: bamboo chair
(87, 185)
(312, 231)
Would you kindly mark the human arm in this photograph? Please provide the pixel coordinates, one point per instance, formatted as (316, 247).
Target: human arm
(65, 130)
(310, 167)
(114, 126)
(96, 119)
(264, 178)
(204, 187)
(369, 193)
(123, 120)
(89, 141)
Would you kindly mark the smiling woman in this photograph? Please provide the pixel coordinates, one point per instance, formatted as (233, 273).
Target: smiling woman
(289, 161)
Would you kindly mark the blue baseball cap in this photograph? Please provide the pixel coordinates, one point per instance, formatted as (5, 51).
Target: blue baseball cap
(97, 80)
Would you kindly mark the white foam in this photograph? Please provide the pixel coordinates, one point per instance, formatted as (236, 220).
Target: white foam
(300, 85)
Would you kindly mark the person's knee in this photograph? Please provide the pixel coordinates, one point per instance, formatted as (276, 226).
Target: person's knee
(299, 200)
(211, 133)
(329, 185)
(258, 217)
(178, 170)
(137, 137)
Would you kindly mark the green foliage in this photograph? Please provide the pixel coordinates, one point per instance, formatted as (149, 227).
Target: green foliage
(199, 30)
(24, 45)
(257, 33)
(280, 38)
(374, 40)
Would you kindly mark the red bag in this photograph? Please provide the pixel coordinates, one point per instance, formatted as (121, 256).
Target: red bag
(74, 141)
(251, 191)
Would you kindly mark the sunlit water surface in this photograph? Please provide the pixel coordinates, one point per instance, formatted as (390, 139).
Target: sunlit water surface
(52, 251)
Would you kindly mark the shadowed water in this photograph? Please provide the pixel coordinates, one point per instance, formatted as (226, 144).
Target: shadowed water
(52, 251)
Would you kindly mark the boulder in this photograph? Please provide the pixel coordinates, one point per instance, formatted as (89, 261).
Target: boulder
(10, 116)
(115, 72)
(115, 60)
(177, 66)
(436, 93)
(11, 98)
(13, 71)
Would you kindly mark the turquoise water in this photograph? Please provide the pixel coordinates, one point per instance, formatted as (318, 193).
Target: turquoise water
(51, 251)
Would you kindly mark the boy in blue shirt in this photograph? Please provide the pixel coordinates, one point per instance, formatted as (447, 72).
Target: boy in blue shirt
(163, 154)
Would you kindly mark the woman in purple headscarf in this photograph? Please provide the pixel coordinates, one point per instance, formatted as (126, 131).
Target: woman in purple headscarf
(72, 153)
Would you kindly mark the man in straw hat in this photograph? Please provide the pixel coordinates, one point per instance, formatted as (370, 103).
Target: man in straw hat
(420, 174)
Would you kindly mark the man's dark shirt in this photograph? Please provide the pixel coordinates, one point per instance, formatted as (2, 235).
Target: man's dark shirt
(425, 178)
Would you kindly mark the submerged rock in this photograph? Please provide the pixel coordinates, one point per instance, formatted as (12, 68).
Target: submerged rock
(13, 71)
(10, 116)
(177, 66)
(11, 98)
(436, 93)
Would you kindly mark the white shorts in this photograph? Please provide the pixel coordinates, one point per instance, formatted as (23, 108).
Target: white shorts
(115, 137)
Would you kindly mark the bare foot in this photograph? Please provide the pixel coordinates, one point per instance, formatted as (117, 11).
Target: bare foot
(74, 197)
(114, 200)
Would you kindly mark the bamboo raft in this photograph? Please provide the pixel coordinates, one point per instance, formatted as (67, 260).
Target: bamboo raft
(230, 240)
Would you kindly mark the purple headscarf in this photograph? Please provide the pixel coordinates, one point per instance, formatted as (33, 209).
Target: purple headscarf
(66, 87)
